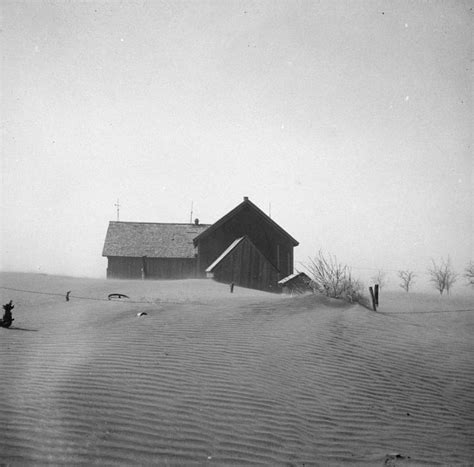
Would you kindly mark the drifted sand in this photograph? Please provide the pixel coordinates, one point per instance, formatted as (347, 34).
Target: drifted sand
(213, 378)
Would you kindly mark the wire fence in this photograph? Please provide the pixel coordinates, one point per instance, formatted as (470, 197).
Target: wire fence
(423, 312)
(78, 297)
(156, 302)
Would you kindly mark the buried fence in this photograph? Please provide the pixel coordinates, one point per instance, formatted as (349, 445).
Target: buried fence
(67, 296)
(374, 293)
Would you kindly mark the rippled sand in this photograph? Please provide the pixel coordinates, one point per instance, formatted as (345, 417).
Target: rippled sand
(213, 378)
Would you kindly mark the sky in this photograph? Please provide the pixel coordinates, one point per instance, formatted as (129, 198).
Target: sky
(349, 121)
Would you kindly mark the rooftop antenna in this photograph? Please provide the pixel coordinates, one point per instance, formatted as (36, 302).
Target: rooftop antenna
(117, 205)
(191, 217)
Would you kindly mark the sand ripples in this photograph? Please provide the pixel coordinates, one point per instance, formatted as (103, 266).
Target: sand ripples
(253, 383)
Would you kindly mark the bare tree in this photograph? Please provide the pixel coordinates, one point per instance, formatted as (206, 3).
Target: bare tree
(332, 278)
(442, 275)
(469, 273)
(407, 279)
(380, 278)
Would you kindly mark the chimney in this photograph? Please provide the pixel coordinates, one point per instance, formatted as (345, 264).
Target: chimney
(246, 198)
(196, 221)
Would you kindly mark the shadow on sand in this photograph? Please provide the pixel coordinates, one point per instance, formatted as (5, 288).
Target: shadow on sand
(21, 329)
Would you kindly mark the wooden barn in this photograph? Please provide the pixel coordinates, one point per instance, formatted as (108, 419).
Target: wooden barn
(245, 247)
(145, 250)
(247, 219)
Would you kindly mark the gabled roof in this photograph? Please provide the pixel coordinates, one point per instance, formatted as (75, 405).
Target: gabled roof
(289, 278)
(154, 240)
(224, 254)
(245, 203)
(232, 247)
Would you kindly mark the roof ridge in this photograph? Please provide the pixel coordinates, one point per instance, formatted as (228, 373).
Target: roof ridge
(160, 223)
(245, 202)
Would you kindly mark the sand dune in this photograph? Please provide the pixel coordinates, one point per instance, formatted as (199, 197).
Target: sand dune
(213, 378)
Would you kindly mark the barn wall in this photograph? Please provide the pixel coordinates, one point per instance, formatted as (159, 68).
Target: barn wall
(272, 243)
(155, 268)
(171, 268)
(124, 268)
(247, 267)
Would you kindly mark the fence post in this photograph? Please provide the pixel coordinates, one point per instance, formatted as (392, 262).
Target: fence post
(376, 291)
(374, 306)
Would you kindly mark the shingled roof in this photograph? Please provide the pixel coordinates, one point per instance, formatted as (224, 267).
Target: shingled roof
(154, 240)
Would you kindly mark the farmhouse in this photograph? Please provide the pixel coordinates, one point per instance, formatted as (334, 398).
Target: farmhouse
(245, 247)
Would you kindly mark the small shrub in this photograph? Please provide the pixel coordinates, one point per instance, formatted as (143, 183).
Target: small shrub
(333, 279)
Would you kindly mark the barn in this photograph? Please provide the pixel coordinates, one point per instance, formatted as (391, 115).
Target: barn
(245, 247)
(145, 250)
(274, 243)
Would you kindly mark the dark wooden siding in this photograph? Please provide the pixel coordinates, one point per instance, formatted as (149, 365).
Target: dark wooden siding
(124, 268)
(155, 268)
(275, 246)
(247, 267)
(298, 285)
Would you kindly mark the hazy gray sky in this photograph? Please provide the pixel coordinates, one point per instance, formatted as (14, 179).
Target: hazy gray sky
(352, 118)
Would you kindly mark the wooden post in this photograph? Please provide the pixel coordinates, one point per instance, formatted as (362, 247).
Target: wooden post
(374, 306)
(231, 287)
(376, 291)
